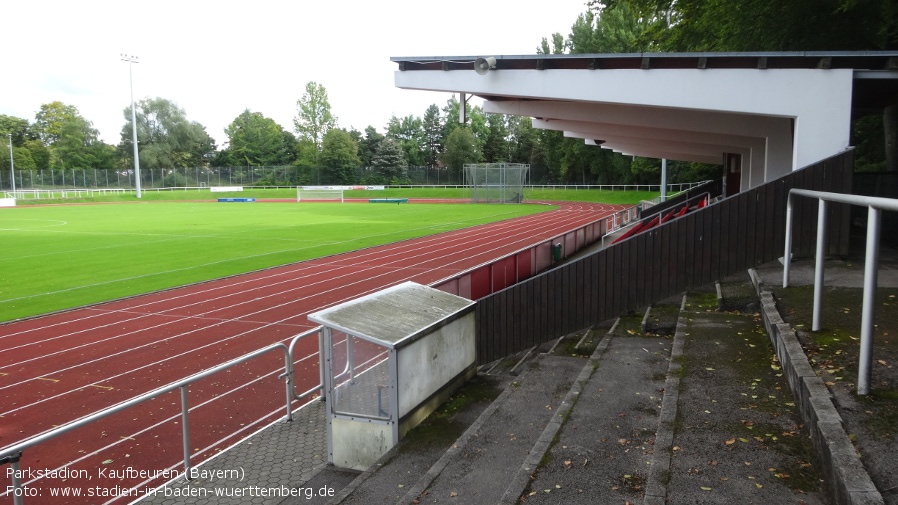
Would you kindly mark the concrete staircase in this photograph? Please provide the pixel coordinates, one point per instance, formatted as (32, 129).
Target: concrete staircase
(683, 402)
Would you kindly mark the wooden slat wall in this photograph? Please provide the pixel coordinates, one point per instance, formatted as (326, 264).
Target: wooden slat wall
(745, 230)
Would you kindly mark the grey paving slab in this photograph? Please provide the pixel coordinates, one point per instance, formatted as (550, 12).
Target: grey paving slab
(482, 468)
(263, 469)
(738, 436)
(604, 450)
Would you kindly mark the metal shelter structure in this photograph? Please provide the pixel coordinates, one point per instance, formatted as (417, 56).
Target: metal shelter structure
(389, 359)
(497, 182)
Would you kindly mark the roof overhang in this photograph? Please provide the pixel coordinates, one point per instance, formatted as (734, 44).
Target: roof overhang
(781, 111)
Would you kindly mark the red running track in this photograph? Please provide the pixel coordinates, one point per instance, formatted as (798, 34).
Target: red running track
(61, 367)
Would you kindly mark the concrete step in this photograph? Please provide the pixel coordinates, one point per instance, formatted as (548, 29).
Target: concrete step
(703, 416)
(737, 436)
(436, 463)
(605, 445)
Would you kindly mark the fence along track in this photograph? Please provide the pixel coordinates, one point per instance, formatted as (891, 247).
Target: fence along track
(729, 236)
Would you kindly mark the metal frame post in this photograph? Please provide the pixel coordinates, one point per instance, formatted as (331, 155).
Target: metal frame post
(875, 206)
(185, 431)
(865, 359)
(787, 254)
(818, 266)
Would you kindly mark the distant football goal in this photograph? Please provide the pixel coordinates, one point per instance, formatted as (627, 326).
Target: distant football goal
(318, 194)
(497, 182)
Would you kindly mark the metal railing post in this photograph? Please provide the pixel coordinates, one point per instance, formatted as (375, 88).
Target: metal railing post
(787, 254)
(875, 206)
(185, 431)
(13, 460)
(288, 371)
(322, 365)
(350, 358)
(818, 265)
(865, 360)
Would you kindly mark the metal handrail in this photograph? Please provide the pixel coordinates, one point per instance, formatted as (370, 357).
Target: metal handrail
(875, 206)
(290, 348)
(12, 454)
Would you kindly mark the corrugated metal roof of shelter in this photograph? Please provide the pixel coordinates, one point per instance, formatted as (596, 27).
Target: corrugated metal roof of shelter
(394, 316)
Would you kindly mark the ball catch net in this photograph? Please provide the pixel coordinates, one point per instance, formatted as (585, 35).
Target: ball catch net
(497, 182)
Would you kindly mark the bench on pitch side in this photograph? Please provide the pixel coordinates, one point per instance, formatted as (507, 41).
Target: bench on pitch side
(388, 200)
(236, 199)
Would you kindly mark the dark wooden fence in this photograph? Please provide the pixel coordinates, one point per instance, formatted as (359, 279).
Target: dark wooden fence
(730, 236)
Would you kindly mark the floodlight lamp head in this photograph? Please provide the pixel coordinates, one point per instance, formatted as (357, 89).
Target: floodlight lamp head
(484, 65)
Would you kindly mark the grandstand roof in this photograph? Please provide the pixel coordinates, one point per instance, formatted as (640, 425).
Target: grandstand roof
(779, 110)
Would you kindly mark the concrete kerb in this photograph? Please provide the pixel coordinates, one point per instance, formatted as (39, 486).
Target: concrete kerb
(522, 477)
(656, 484)
(848, 479)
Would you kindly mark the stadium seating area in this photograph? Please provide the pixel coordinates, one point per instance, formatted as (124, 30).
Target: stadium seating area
(650, 222)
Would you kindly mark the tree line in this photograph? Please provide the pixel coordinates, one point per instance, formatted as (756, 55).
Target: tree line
(322, 152)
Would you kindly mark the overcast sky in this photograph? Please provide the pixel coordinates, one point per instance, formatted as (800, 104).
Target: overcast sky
(215, 59)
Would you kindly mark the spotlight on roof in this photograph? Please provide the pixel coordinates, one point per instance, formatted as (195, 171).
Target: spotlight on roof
(484, 65)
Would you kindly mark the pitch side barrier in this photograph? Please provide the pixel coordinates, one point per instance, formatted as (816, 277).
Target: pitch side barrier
(13, 454)
(496, 275)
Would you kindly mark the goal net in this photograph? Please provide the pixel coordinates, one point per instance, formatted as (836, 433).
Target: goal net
(315, 194)
(497, 182)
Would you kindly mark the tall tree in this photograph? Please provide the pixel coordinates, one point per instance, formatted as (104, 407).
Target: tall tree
(495, 148)
(409, 134)
(49, 121)
(368, 145)
(70, 140)
(521, 139)
(21, 158)
(166, 138)
(254, 139)
(617, 30)
(432, 125)
(389, 162)
(461, 148)
(41, 154)
(558, 45)
(313, 114)
(17, 127)
(339, 157)
(766, 25)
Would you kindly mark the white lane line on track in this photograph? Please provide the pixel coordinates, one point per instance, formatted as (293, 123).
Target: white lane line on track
(403, 257)
(376, 252)
(267, 286)
(288, 339)
(200, 266)
(277, 322)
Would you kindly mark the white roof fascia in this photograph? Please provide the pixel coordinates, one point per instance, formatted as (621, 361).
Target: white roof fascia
(818, 100)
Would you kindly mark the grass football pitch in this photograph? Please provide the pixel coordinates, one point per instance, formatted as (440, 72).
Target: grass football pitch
(59, 257)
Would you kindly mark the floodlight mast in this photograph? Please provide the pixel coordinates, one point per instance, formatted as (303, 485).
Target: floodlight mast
(130, 60)
(12, 167)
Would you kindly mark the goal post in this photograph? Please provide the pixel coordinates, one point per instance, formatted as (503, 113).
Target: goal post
(496, 182)
(318, 194)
